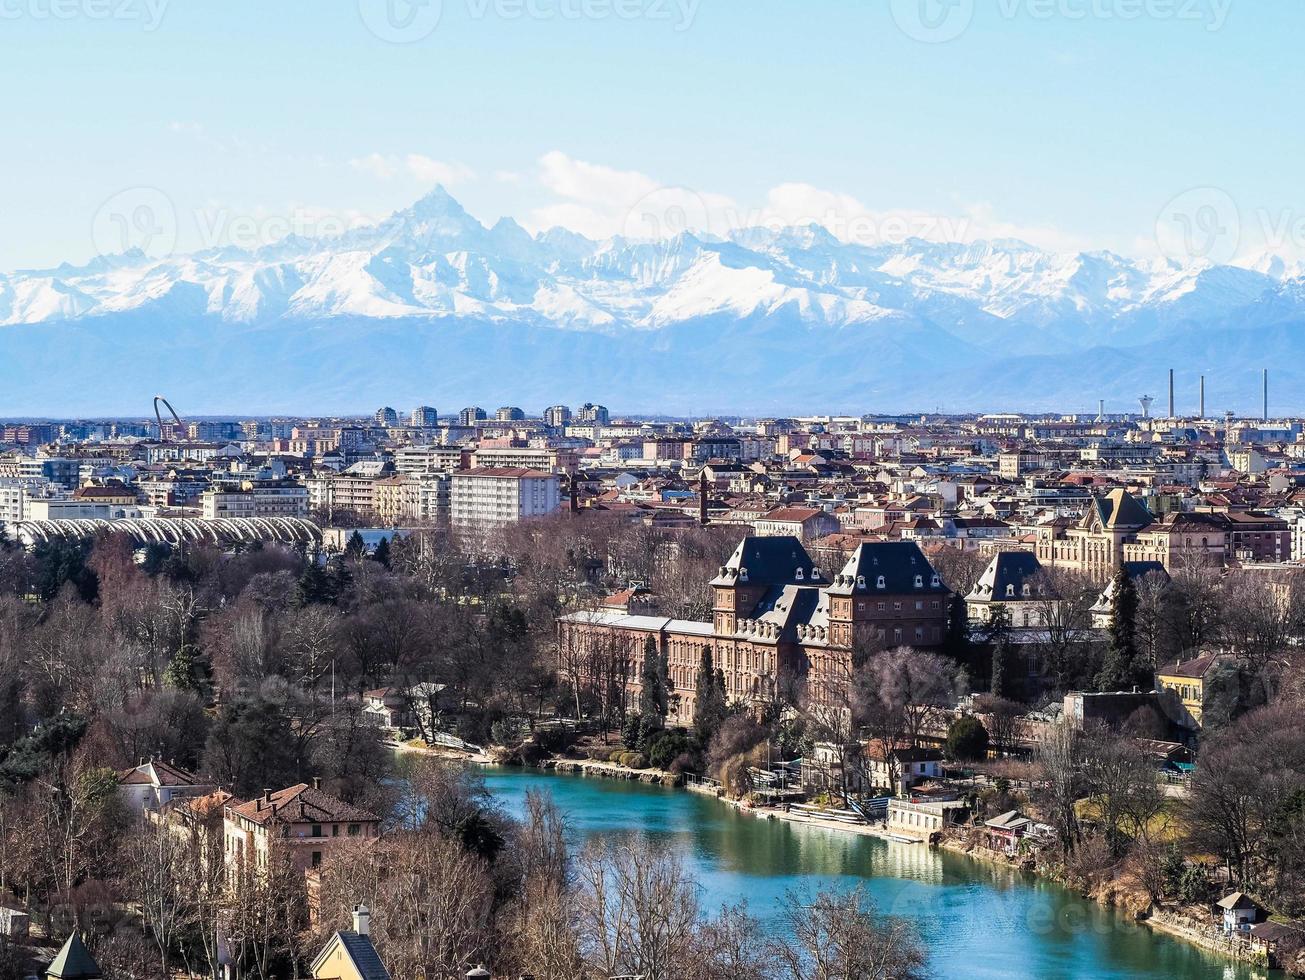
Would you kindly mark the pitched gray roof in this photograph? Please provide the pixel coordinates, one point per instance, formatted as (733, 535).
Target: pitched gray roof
(1006, 576)
(360, 951)
(73, 962)
(767, 561)
(898, 564)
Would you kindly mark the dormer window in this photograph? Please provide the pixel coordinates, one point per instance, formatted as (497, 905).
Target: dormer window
(860, 581)
(798, 575)
(935, 581)
(1010, 591)
(1027, 591)
(919, 581)
(880, 583)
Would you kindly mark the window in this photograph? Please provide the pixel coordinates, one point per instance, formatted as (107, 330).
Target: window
(883, 606)
(879, 582)
(919, 605)
(919, 581)
(335, 830)
(354, 830)
(317, 830)
(317, 859)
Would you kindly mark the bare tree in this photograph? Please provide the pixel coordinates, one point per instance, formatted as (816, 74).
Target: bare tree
(639, 911)
(842, 937)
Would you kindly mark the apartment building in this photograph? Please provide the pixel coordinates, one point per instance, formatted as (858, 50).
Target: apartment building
(280, 498)
(526, 457)
(491, 497)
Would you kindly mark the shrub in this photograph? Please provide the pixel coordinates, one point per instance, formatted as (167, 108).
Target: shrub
(666, 747)
(634, 760)
(967, 739)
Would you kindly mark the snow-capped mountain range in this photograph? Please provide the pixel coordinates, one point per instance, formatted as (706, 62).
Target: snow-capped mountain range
(432, 306)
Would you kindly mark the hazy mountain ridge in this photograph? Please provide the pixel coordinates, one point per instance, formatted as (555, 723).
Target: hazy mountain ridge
(779, 321)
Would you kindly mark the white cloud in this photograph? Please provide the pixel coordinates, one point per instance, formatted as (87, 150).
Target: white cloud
(430, 171)
(419, 167)
(599, 201)
(380, 167)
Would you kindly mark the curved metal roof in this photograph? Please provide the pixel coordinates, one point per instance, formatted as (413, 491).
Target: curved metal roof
(183, 530)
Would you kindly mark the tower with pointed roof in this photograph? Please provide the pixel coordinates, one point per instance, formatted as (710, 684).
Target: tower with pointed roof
(73, 962)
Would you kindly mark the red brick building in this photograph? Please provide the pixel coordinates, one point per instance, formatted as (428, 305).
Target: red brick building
(777, 618)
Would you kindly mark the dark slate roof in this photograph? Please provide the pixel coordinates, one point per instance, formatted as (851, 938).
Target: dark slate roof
(788, 606)
(73, 962)
(364, 956)
(360, 951)
(768, 561)
(1006, 576)
(1141, 569)
(1119, 509)
(897, 563)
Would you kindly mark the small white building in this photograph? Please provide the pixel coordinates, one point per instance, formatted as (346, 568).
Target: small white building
(154, 784)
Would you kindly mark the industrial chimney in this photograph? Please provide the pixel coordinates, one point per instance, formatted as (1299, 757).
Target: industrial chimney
(1266, 394)
(1171, 393)
(1202, 415)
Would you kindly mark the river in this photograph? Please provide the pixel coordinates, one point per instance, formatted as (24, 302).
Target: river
(979, 920)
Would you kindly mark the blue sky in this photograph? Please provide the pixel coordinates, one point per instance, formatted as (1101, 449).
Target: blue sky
(1071, 123)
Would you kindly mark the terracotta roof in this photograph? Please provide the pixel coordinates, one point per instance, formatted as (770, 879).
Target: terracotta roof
(301, 804)
(794, 515)
(157, 772)
(1196, 667)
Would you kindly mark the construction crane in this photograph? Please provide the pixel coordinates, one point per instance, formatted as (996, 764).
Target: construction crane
(158, 416)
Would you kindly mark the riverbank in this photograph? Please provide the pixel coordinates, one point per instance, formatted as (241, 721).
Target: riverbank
(1156, 920)
(980, 923)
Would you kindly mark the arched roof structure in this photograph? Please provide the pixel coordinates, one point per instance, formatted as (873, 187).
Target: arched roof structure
(183, 530)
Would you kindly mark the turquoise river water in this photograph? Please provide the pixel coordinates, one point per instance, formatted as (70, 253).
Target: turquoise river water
(979, 920)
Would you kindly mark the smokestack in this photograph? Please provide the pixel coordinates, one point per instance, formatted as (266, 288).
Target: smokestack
(1202, 396)
(1171, 393)
(1266, 394)
(702, 497)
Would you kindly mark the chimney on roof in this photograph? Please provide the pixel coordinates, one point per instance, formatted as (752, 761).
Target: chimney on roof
(362, 919)
(317, 782)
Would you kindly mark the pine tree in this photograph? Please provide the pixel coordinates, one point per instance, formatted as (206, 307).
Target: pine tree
(709, 698)
(355, 547)
(382, 552)
(1120, 670)
(653, 683)
(997, 633)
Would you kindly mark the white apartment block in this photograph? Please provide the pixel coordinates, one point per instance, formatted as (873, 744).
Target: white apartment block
(427, 459)
(526, 457)
(491, 497)
(282, 499)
